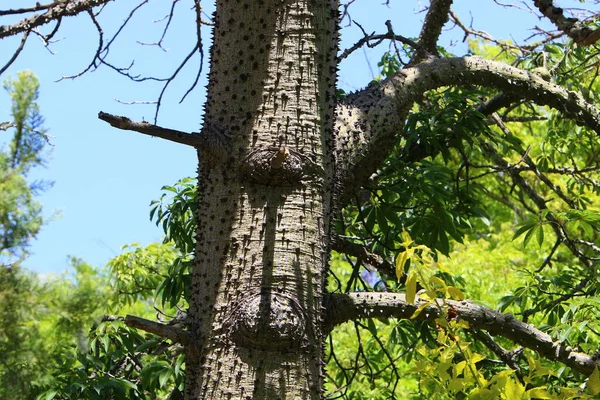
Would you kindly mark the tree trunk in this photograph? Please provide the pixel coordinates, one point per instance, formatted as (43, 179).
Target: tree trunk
(264, 203)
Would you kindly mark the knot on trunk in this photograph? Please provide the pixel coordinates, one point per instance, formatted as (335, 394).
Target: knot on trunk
(268, 321)
(279, 166)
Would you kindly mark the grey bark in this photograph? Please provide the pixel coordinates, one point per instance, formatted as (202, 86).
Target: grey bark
(258, 278)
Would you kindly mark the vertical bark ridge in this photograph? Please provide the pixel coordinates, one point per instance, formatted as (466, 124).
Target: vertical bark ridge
(256, 305)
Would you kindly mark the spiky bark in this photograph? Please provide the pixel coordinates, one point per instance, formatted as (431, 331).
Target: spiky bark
(266, 155)
(264, 203)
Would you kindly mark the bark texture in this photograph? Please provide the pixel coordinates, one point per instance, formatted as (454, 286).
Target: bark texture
(258, 277)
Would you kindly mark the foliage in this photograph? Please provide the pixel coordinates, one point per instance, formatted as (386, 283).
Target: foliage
(445, 187)
(25, 150)
(440, 198)
(42, 321)
(500, 207)
(116, 361)
(20, 214)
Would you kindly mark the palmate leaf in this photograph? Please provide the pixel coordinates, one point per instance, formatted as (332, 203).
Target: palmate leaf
(533, 227)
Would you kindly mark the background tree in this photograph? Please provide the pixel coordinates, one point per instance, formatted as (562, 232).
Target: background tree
(41, 318)
(20, 214)
(442, 151)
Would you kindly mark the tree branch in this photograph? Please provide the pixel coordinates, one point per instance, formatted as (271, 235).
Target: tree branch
(508, 357)
(345, 307)
(171, 332)
(60, 8)
(436, 18)
(371, 261)
(581, 35)
(6, 125)
(194, 140)
(368, 121)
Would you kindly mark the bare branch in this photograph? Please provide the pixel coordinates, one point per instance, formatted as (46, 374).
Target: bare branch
(171, 332)
(55, 11)
(436, 18)
(368, 40)
(194, 140)
(346, 307)
(580, 34)
(26, 10)
(16, 53)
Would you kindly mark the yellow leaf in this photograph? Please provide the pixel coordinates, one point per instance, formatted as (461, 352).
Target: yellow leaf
(476, 357)
(437, 281)
(482, 394)
(456, 384)
(406, 239)
(442, 370)
(538, 393)
(513, 390)
(455, 293)
(537, 369)
(420, 309)
(462, 324)
(593, 383)
(401, 260)
(431, 294)
(459, 368)
(411, 288)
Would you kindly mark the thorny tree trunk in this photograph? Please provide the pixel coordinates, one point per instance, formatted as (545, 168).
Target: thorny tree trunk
(264, 188)
(256, 320)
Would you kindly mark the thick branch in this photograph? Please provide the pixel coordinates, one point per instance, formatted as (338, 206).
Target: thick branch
(346, 307)
(571, 26)
(436, 18)
(368, 121)
(171, 332)
(57, 10)
(146, 128)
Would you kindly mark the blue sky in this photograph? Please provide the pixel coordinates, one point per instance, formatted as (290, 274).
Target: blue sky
(105, 178)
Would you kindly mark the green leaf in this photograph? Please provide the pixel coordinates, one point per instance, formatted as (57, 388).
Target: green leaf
(593, 382)
(540, 236)
(524, 228)
(164, 376)
(48, 395)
